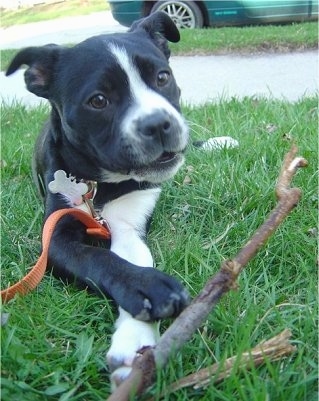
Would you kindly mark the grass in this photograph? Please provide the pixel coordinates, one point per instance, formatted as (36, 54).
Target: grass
(44, 12)
(54, 343)
(249, 39)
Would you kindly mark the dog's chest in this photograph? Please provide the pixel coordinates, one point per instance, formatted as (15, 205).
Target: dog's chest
(127, 217)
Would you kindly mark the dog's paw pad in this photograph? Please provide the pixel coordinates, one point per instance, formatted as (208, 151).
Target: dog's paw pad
(174, 305)
(145, 313)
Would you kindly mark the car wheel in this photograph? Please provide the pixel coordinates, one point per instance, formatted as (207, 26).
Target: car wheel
(185, 14)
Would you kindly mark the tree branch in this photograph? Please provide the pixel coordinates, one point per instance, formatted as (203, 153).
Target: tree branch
(271, 350)
(186, 324)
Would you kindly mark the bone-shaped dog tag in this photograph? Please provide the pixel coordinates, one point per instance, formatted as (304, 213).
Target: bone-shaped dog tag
(68, 187)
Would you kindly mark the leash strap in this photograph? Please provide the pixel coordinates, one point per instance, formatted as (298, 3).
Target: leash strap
(33, 278)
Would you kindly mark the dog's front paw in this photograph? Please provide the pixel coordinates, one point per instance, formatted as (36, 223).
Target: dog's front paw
(131, 335)
(151, 295)
(163, 297)
(119, 375)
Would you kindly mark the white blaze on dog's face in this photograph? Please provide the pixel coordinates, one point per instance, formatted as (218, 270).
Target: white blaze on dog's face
(150, 121)
(116, 101)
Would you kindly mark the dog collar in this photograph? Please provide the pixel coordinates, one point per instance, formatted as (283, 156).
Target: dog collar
(80, 193)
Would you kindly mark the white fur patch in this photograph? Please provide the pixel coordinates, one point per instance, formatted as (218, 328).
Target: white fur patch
(146, 100)
(130, 336)
(154, 176)
(127, 217)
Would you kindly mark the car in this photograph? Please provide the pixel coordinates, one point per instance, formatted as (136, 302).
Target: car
(199, 14)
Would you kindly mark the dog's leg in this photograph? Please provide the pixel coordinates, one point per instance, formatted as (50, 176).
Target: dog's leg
(130, 336)
(127, 217)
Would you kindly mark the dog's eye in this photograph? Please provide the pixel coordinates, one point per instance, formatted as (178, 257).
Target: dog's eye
(163, 77)
(98, 101)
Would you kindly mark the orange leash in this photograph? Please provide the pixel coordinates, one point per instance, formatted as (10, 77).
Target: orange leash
(33, 278)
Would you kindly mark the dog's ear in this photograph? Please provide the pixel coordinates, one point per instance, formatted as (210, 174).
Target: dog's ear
(161, 29)
(41, 62)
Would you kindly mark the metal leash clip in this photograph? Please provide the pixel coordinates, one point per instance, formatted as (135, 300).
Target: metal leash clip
(88, 199)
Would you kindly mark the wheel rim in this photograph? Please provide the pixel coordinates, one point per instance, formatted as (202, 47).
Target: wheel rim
(180, 13)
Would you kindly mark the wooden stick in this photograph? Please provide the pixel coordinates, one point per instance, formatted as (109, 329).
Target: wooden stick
(186, 324)
(271, 350)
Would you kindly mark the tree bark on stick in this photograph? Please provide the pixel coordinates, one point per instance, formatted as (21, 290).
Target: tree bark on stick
(186, 324)
(273, 349)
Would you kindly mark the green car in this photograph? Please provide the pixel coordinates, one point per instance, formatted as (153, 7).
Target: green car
(199, 14)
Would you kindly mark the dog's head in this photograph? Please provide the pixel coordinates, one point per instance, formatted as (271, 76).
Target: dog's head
(115, 102)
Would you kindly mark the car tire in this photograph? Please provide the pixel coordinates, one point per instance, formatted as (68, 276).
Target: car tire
(185, 14)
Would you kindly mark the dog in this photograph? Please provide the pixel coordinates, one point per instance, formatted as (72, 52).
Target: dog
(115, 121)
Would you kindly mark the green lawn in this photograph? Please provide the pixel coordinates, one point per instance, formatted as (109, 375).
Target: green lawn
(54, 344)
(44, 12)
(248, 39)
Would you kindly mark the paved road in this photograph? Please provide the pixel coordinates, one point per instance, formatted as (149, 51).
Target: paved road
(59, 31)
(201, 78)
(287, 76)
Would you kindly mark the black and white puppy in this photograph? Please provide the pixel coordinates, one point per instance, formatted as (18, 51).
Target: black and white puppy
(115, 120)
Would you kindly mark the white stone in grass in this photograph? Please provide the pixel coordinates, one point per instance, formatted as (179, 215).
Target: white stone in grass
(220, 142)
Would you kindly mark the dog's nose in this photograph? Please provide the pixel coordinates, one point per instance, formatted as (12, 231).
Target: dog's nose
(154, 125)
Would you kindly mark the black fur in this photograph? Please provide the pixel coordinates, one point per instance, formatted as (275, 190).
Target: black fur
(86, 142)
